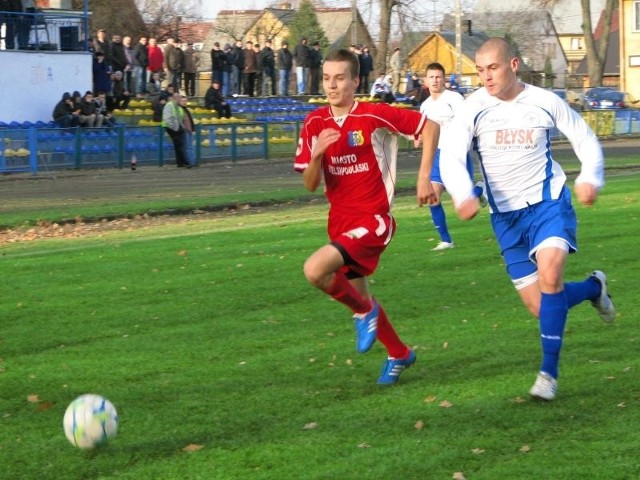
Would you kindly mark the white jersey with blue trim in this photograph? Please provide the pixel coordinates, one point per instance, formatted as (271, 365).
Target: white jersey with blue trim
(441, 109)
(513, 142)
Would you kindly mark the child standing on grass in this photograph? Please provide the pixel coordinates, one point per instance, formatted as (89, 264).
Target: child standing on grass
(353, 146)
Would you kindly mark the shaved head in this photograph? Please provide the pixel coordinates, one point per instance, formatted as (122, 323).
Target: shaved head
(500, 46)
(497, 67)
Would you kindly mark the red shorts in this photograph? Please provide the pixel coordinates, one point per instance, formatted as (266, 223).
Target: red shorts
(361, 239)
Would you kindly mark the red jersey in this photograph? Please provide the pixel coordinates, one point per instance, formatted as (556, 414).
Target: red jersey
(360, 168)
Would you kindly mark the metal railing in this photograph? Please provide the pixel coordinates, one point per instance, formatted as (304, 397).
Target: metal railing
(43, 31)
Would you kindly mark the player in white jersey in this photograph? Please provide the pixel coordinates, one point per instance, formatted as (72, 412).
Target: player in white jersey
(509, 124)
(439, 107)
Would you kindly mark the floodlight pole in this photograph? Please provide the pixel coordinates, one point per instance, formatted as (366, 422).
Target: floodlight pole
(87, 34)
(354, 23)
(458, 15)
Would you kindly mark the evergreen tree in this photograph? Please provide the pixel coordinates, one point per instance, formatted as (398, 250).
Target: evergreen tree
(305, 25)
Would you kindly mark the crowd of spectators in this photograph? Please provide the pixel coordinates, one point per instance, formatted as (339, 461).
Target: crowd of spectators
(76, 110)
(125, 68)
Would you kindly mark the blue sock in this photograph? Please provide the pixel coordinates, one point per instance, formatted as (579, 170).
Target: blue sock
(477, 191)
(553, 317)
(578, 292)
(440, 222)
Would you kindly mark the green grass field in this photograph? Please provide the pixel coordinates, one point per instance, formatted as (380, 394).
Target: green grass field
(225, 364)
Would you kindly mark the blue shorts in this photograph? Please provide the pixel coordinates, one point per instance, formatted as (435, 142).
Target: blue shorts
(521, 231)
(435, 169)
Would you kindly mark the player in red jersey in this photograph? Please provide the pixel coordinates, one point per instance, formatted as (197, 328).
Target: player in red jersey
(353, 146)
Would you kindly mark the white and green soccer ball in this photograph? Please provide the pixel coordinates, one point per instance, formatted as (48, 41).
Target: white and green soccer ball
(90, 420)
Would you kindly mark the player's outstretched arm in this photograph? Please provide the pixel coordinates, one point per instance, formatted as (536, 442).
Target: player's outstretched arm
(430, 136)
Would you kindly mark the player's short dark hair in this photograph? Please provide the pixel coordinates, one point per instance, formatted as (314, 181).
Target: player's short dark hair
(435, 66)
(344, 55)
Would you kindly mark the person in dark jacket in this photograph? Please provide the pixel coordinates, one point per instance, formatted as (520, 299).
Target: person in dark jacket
(250, 68)
(284, 64)
(190, 69)
(118, 55)
(100, 102)
(366, 67)
(140, 64)
(102, 44)
(172, 63)
(121, 96)
(218, 60)
(88, 115)
(65, 114)
(237, 68)
(10, 20)
(415, 90)
(189, 128)
(228, 68)
(101, 74)
(214, 100)
(257, 83)
(301, 56)
(158, 106)
(315, 68)
(267, 62)
(24, 22)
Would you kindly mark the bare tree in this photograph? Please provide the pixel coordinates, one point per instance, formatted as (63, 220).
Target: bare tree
(596, 57)
(530, 31)
(166, 18)
(233, 28)
(116, 16)
(406, 15)
(386, 7)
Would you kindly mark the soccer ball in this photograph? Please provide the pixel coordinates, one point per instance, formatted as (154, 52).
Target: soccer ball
(90, 420)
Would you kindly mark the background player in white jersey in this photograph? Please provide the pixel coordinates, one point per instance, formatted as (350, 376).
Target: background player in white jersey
(353, 147)
(439, 107)
(531, 211)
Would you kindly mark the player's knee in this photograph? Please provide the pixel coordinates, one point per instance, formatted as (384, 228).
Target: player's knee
(313, 274)
(551, 281)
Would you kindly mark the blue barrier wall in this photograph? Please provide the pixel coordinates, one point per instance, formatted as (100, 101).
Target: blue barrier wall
(30, 147)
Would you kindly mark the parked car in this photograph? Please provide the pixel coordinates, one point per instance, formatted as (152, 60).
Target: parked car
(604, 100)
(594, 92)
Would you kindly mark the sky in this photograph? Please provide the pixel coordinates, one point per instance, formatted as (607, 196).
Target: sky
(210, 8)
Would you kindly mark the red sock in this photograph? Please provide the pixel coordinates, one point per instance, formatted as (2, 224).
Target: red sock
(342, 291)
(389, 338)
